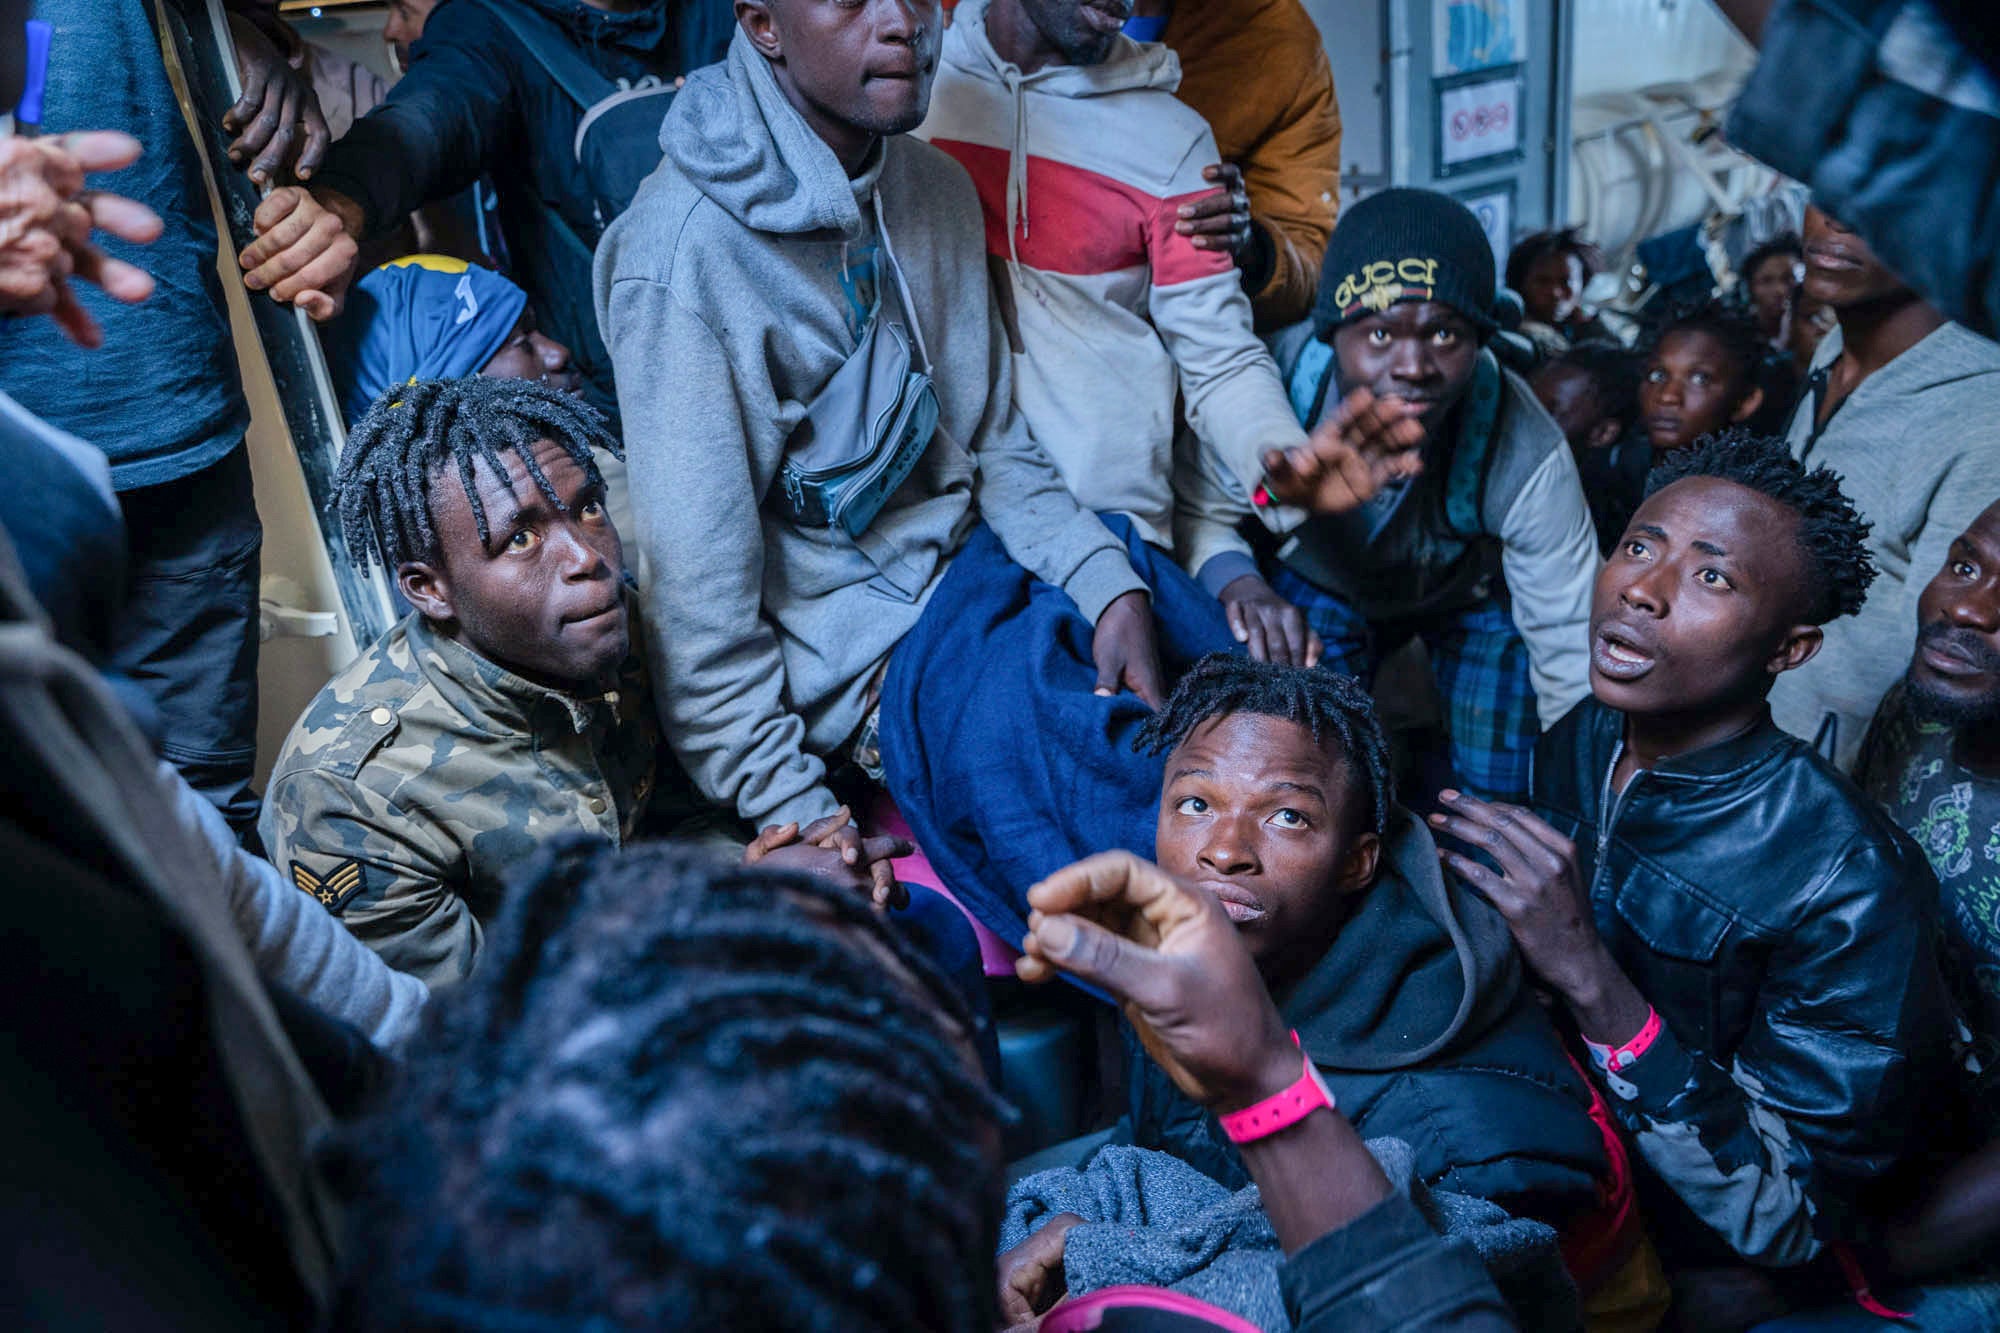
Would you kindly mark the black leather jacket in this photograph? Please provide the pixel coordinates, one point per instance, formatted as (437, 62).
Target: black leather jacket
(1777, 921)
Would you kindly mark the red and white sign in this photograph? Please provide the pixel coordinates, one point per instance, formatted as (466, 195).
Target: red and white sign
(1480, 120)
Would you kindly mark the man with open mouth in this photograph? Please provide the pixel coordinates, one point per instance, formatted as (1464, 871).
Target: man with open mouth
(1737, 935)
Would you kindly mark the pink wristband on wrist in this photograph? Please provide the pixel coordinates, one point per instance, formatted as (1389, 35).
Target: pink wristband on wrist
(1281, 1110)
(1611, 1059)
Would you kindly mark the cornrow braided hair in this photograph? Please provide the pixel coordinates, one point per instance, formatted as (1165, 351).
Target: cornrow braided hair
(1832, 536)
(413, 433)
(1329, 704)
(680, 1093)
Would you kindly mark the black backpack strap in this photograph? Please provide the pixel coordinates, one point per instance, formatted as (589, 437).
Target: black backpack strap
(554, 52)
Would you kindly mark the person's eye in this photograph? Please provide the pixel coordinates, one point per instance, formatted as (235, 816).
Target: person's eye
(593, 509)
(526, 539)
(1656, 376)
(1701, 379)
(1445, 337)
(1965, 569)
(1713, 578)
(1289, 818)
(1191, 805)
(1378, 337)
(1635, 548)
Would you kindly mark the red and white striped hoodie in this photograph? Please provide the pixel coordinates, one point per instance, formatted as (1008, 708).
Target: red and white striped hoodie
(1081, 171)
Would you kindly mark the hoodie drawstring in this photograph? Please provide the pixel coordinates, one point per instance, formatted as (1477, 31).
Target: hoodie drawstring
(1017, 168)
(902, 287)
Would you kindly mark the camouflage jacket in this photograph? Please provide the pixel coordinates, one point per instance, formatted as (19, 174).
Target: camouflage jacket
(423, 773)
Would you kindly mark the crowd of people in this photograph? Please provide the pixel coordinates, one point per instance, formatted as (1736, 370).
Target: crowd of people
(879, 496)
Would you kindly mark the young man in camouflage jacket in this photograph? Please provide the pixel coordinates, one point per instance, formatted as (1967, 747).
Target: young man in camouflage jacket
(510, 706)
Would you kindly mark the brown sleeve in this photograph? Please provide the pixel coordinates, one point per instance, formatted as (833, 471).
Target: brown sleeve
(1293, 179)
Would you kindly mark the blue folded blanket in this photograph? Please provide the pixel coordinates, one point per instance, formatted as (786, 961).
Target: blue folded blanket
(1003, 761)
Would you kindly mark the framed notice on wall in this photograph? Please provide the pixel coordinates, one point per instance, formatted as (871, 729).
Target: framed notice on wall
(1478, 120)
(1493, 205)
(1469, 35)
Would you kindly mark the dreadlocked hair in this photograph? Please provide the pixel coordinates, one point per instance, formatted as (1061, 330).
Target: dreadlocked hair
(1734, 330)
(412, 433)
(1537, 246)
(1329, 704)
(1615, 374)
(679, 1093)
(1832, 535)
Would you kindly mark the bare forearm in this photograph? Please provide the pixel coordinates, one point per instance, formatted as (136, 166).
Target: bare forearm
(1959, 1219)
(1315, 1177)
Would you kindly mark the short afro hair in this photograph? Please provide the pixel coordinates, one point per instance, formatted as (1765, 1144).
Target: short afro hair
(1832, 536)
(1786, 243)
(1730, 327)
(1331, 705)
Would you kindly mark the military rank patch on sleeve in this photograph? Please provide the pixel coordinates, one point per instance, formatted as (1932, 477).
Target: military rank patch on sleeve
(335, 888)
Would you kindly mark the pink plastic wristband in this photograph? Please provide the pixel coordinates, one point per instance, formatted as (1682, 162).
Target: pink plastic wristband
(1611, 1059)
(1281, 1110)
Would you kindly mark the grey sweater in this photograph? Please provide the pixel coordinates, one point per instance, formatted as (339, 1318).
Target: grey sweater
(1917, 447)
(725, 294)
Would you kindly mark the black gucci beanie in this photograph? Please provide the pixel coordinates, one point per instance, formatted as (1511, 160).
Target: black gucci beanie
(1406, 245)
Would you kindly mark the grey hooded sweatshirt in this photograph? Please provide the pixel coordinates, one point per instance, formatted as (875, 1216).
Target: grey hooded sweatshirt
(729, 293)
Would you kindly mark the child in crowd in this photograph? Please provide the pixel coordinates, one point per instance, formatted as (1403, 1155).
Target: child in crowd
(1769, 279)
(1592, 391)
(1701, 376)
(1548, 271)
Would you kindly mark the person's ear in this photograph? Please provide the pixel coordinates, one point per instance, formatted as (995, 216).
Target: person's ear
(1748, 407)
(1604, 434)
(426, 588)
(755, 20)
(1801, 645)
(1357, 868)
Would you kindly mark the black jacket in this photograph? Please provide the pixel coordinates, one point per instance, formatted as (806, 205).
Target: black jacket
(476, 103)
(1419, 1022)
(1776, 920)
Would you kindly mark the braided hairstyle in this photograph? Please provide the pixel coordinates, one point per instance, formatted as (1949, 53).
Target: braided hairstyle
(1832, 536)
(680, 1093)
(414, 432)
(1329, 704)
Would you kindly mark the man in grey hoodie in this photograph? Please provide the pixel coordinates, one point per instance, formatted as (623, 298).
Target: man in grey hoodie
(1901, 403)
(753, 258)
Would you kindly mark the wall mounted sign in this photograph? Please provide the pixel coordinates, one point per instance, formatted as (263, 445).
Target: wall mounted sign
(1478, 120)
(1469, 35)
(1494, 207)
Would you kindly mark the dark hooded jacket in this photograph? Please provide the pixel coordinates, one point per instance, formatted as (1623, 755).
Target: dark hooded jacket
(1419, 1022)
(475, 102)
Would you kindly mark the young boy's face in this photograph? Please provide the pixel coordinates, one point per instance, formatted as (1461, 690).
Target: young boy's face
(1692, 388)
(1423, 352)
(1571, 398)
(1264, 818)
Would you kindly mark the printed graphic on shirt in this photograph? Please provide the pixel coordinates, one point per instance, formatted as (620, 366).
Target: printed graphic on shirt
(857, 274)
(1954, 815)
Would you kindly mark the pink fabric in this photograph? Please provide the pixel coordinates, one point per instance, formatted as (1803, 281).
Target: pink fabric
(1082, 1313)
(996, 956)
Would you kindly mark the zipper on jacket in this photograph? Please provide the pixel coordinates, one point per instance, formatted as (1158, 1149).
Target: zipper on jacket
(1608, 806)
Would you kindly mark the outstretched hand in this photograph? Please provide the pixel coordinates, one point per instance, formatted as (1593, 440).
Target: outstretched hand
(278, 112)
(1125, 650)
(1168, 954)
(305, 249)
(1368, 444)
(833, 848)
(46, 220)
